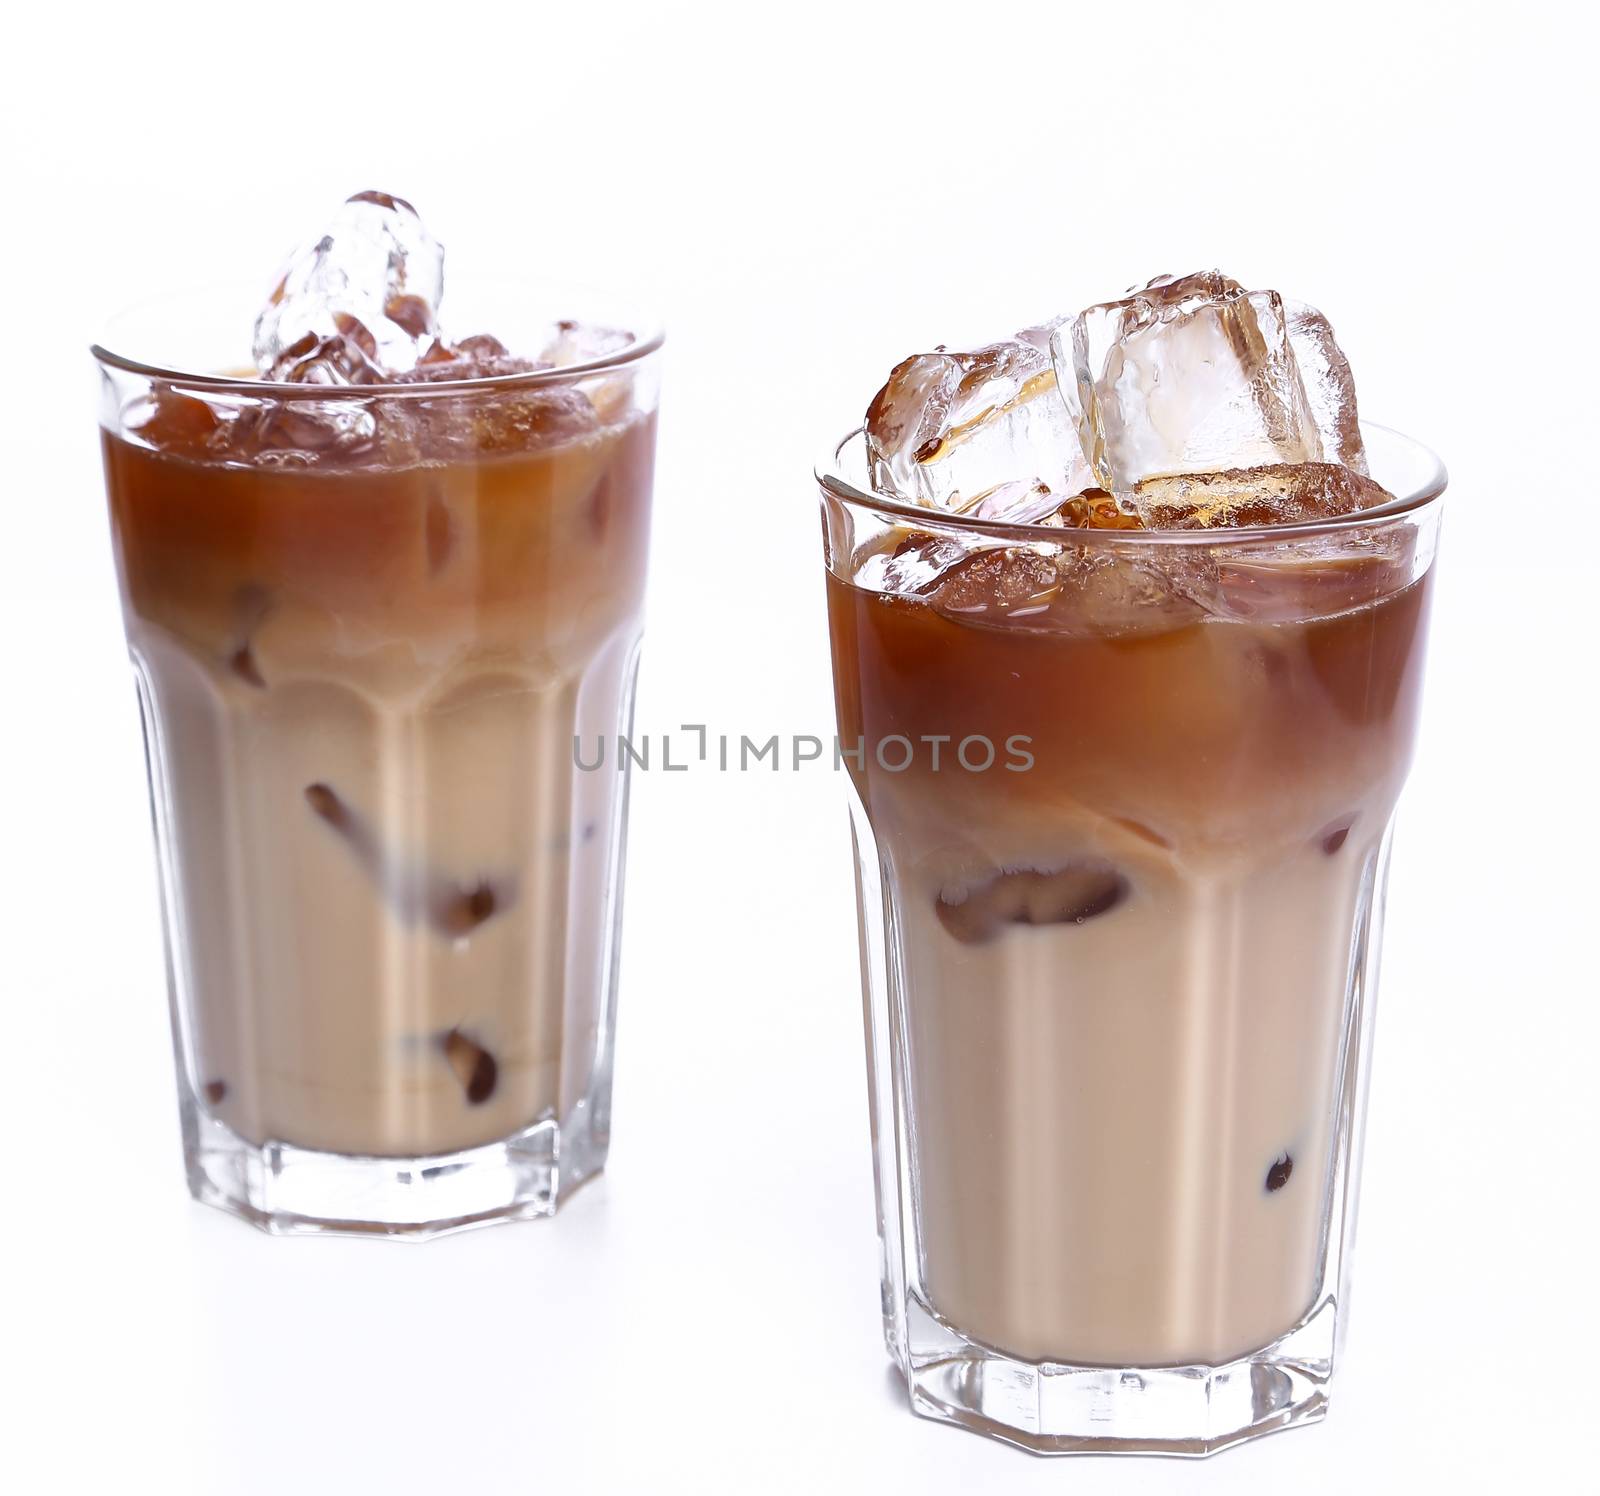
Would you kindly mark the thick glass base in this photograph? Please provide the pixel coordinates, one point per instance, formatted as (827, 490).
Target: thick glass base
(1175, 1410)
(286, 1190)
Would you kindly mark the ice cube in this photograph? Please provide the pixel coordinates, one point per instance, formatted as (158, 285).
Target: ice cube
(1014, 582)
(1072, 895)
(1095, 509)
(1070, 587)
(359, 303)
(525, 420)
(1283, 494)
(345, 356)
(1198, 375)
(1016, 503)
(1330, 388)
(172, 421)
(477, 357)
(474, 1065)
(581, 343)
(909, 562)
(983, 433)
(1114, 591)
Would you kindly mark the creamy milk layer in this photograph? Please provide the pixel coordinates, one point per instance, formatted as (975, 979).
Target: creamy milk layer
(1103, 1111)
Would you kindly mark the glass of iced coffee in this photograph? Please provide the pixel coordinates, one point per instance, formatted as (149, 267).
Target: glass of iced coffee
(375, 582)
(1128, 618)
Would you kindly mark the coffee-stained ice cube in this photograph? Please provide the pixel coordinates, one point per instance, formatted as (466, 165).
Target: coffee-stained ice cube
(359, 303)
(1283, 494)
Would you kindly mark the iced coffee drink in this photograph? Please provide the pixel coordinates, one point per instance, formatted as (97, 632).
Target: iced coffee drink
(374, 587)
(1128, 617)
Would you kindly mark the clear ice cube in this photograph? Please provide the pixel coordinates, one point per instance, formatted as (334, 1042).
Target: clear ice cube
(1074, 588)
(1329, 386)
(579, 343)
(910, 562)
(1197, 375)
(983, 433)
(359, 304)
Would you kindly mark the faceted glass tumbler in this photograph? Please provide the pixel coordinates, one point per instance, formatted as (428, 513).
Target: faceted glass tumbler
(1122, 805)
(367, 625)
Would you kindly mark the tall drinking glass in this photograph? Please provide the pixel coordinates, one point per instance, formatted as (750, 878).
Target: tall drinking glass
(1122, 804)
(366, 623)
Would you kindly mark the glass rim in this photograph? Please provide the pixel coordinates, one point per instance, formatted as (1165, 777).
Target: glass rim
(1422, 494)
(646, 340)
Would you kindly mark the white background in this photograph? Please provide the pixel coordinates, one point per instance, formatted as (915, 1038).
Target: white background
(807, 193)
